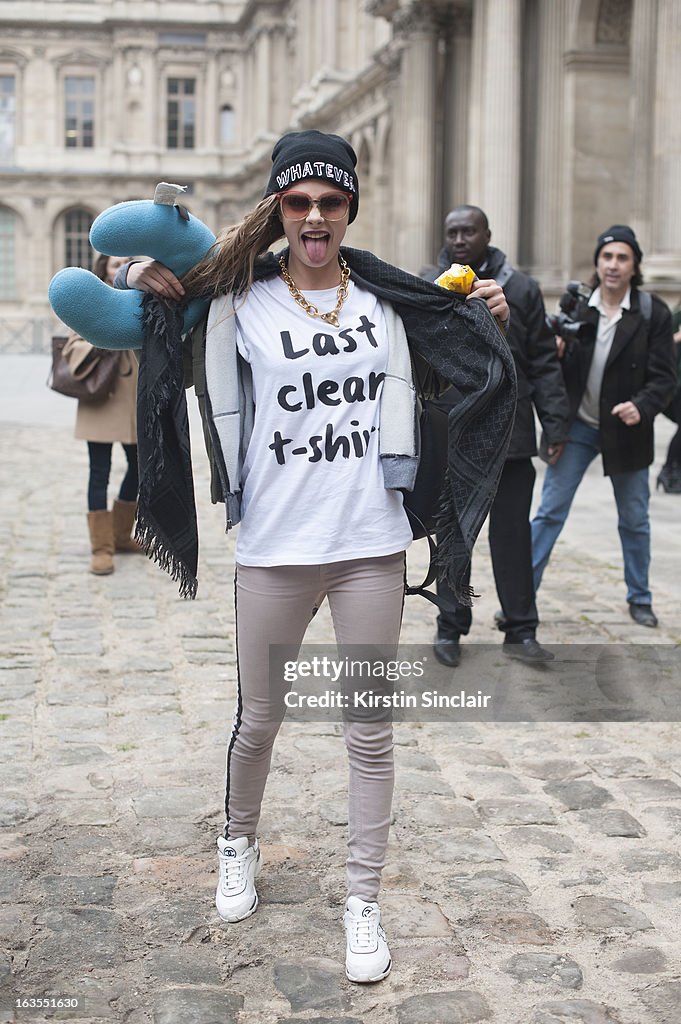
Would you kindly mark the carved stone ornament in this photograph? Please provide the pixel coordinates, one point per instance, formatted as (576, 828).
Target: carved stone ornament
(422, 16)
(614, 22)
(381, 8)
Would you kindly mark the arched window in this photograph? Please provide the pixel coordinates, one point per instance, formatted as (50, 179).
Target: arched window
(77, 251)
(226, 125)
(8, 280)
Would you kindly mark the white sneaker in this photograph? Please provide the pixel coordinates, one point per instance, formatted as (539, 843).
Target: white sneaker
(240, 865)
(367, 957)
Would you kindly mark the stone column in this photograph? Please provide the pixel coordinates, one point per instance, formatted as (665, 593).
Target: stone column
(117, 111)
(211, 104)
(306, 38)
(642, 42)
(476, 95)
(457, 99)
(263, 64)
(414, 143)
(354, 38)
(326, 32)
(250, 108)
(664, 262)
(280, 79)
(382, 211)
(548, 200)
(499, 186)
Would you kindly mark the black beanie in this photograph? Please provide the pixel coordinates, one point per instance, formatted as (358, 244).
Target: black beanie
(619, 233)
(313, 154)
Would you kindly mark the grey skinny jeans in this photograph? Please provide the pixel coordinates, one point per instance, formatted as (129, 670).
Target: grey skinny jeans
(274, 605)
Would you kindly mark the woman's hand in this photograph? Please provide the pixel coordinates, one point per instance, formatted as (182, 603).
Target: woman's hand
(493, 295)
(152, 276)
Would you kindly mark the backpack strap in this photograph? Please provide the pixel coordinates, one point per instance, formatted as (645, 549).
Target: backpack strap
(645, 305)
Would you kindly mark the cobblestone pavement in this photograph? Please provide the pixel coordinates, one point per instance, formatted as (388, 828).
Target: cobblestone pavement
(534, 870)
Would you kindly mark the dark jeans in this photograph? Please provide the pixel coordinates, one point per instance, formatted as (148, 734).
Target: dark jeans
(510, 542)
(100, 470)
(632, 494)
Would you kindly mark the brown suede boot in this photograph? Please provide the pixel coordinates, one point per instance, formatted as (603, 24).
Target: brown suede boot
(100, 525)
(123, 519)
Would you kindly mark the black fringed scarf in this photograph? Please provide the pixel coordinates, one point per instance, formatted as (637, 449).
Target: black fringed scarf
(166, 510)
(462, 343)
(458, 339)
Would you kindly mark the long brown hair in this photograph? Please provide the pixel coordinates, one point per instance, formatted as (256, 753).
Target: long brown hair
(100, 265)
(228, 265)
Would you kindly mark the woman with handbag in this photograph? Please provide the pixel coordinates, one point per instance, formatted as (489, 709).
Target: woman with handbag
(302, 357)
(102, 424)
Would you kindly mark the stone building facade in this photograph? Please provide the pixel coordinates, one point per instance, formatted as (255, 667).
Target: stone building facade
(558, 117)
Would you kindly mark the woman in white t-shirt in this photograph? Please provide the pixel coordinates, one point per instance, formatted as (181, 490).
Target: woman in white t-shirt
(318, 518)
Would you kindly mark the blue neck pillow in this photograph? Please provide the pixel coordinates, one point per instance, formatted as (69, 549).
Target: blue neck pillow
(159, 229)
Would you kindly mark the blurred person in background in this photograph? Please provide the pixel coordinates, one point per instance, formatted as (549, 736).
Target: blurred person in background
(669, 477)
(619, 375)
(540, 388)
(102, 425)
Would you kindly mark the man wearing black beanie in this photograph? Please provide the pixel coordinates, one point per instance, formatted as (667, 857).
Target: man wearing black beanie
(619, 374)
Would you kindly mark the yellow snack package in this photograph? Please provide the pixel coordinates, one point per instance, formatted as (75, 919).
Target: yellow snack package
(459, 278)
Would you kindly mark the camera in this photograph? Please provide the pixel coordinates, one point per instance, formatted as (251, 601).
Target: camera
(565, 323)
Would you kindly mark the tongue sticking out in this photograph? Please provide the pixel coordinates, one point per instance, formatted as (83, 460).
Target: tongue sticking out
(315, 247)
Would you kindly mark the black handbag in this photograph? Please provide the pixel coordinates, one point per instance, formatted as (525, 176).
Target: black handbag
(94, 380)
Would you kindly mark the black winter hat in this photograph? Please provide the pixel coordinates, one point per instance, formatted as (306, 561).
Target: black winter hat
(619, 233)
(313, 154)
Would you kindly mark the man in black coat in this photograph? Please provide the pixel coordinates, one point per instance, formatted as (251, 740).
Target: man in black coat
(540, 383)
(619, 374)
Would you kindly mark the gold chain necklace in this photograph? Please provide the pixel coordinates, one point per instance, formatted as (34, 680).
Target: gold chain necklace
(341, 295)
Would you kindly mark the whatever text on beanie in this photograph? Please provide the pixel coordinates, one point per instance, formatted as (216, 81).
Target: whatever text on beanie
(619, 233)
(314, 154)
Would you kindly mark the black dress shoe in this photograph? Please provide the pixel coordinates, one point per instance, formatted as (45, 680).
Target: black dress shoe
(447, 651)
(528, 650)
(643, 614)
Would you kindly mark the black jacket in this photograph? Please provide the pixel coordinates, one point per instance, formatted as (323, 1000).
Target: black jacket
(641, 369)
(540, 381)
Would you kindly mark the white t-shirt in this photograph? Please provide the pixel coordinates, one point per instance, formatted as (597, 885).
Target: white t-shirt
(313, 488)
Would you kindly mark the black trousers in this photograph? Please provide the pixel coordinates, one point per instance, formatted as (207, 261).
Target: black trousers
(510, 542)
